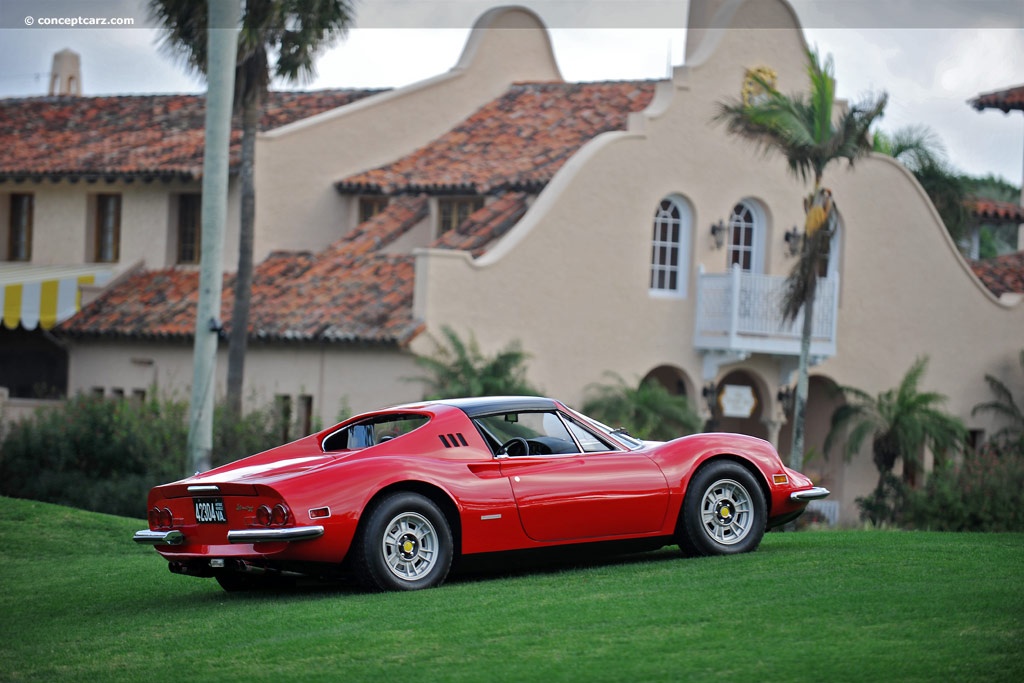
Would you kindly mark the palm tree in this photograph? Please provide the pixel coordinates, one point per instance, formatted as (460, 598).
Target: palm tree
(920, 150)
(811, 134)
(647, 411)
(913, 146)
(279, 39)
(459, 368)
(1005, 407)
(901, 423)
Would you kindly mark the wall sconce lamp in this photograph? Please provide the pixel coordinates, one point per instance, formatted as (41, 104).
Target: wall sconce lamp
(718, 233)
(794, 239)
(709, 392)
(785, 397)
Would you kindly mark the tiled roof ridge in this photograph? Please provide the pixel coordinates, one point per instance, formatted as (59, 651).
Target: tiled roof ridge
(1006, 99)
(993, 209)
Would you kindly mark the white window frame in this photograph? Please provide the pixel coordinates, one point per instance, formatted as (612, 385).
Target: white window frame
(747, 215)
(672, 228)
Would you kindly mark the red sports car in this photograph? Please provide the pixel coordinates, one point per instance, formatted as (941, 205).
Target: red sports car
(393, 496)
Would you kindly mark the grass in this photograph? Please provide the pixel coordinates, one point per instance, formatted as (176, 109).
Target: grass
(80, 602)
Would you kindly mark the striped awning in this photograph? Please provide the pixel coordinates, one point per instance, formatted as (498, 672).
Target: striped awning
(42, 296)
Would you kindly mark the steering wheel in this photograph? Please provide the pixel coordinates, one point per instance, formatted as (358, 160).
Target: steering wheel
(513, 441)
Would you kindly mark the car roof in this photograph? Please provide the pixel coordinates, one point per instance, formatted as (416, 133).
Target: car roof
(490, 405)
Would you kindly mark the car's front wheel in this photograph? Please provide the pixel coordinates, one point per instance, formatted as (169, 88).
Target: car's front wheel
(405, 544)
(723, 512)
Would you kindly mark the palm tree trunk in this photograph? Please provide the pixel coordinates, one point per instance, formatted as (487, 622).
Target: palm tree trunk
(796, 454)
(239, 335)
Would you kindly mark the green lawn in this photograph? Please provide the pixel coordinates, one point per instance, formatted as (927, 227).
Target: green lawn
(80, 602)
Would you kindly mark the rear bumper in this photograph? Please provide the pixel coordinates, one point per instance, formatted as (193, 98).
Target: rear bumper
(295, 533)
(816, 493)
(148, 537)
(284, 535)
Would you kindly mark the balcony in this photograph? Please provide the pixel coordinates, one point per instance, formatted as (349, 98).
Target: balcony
(740, 313)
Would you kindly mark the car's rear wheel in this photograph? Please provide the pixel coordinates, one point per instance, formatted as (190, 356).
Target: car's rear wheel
(405, 544)
(723, 512)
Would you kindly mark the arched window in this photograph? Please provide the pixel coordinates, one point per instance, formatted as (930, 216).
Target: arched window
(746, 234)
(670, 250)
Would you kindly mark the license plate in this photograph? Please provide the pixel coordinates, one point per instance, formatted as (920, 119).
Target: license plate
(210, 511)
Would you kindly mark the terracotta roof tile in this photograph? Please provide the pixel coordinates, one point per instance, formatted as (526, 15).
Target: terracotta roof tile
(356, 290)
(485, 225)
(1004, 100)
(1003, 274)
(517, 141)
(352, 291)
(988, 210)
(130, 135)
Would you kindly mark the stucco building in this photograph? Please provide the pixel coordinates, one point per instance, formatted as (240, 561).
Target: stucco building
(606, 226)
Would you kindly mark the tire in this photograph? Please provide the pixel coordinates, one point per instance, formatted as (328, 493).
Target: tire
(405, 544)
(723, 512)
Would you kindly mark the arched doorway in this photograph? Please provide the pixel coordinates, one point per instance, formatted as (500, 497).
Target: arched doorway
(672, 378)
(740, 405)
(822, 400)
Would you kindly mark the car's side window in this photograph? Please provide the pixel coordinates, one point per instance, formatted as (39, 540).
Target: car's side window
(544, 432)
(372, 432)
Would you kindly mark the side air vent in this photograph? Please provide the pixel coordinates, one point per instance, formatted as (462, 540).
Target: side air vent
(453, 440)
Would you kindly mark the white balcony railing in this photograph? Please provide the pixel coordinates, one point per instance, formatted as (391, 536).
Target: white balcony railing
(738, 311)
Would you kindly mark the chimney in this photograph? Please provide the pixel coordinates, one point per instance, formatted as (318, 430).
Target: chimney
(66, 74)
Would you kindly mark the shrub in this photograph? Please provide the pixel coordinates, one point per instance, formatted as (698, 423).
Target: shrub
(104, 455)
(883, 507)
(985, 493)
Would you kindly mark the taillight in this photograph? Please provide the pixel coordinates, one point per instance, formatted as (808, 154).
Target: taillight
(263, 515)
(160, 518)
(279, 515)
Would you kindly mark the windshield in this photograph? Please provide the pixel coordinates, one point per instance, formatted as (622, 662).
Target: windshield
(621, 435)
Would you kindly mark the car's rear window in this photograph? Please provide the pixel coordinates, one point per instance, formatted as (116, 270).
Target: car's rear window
(373, 430)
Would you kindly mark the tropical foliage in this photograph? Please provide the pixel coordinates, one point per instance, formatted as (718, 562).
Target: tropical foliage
(647, 411)
(920, 150)
(901, 423)
(1005, 407)
(811, 134)
(985, 492)
(279, 39)
(458, 368)
(105, 455)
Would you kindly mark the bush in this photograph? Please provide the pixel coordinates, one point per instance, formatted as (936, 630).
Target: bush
(884, 506)
(104, 455)
(985, 493)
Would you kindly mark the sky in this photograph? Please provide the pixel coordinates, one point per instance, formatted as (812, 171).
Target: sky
(930, 56)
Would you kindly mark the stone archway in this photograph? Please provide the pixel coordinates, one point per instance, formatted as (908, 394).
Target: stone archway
(753, 424)
(846, 479)
(673, 379)
(822, 400)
